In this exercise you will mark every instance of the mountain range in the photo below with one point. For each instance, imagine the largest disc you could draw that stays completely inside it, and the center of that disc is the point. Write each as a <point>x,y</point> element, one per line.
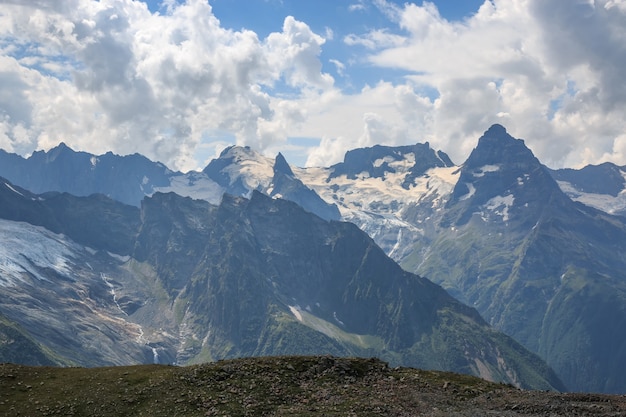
<point>537,252</point>
<point>90,281</point>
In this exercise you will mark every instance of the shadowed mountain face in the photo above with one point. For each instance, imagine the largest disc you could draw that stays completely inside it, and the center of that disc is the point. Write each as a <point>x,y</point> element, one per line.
<point>287,186</point>
<point>248,277</point>
<point>127,179</point>
<point>606,178</point>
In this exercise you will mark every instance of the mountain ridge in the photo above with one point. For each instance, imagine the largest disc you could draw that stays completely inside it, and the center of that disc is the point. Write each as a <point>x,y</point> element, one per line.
<point>497,233</point>
<point>600,186</point>
<point>230,281</point>
<point>513,245</point>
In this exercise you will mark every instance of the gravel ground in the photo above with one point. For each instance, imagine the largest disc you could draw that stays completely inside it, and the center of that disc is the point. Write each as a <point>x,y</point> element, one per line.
<point>279,386</point>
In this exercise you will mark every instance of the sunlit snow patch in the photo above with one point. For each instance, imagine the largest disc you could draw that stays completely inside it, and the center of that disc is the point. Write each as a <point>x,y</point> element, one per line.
<point>500,205</point>
<point>255,170</point>
<point>196,185</point>
<point>605,202</point>
<point>472,191</point>
<point>296,312</point>
<point>484,169</point>
<point>13,189</point>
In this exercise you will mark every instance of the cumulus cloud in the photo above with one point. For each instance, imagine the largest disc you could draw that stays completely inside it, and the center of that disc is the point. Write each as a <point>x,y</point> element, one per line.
<point>550,71</point>
<point>111,75</point>
<point>382,114</point>
<point>141,82</point>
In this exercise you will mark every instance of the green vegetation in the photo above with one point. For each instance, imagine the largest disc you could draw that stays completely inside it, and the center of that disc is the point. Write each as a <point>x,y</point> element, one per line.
<point>17,346</point>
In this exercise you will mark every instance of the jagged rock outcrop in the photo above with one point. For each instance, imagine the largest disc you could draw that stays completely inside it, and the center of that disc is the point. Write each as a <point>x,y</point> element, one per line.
<point>245,278</point>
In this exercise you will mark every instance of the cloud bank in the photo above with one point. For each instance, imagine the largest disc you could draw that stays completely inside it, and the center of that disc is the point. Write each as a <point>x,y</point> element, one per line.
<point>111,75</point>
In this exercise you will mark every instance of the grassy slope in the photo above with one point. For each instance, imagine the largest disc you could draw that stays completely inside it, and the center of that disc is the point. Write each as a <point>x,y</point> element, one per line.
<point>17,346</point>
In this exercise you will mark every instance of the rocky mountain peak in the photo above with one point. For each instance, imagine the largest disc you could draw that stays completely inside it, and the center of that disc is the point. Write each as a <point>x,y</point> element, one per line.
<point>500,176</point>
<point>60,151</point>
<point>377,161</point>
<point>496,146</point>
<point>61,147</point>
<point>281,165</point>
<point>238,154</point>
<point>496,130</point>
<point>285,185</point>
<point>124,178</point>
<point>240,169</point>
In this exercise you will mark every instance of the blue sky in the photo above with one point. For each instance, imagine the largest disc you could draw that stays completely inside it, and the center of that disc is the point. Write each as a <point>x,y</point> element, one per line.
<point>179,80</point>
<point>265,16</point>
<point>341,17</point>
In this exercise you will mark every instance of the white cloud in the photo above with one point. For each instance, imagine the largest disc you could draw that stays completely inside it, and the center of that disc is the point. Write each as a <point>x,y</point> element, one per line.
<point>110,75</point>
<point>149,83</point>
<point>356,7</point>
<point>382,114</point>
<point>552,72</point>
<point>294,52</point>
<point>375,39</point>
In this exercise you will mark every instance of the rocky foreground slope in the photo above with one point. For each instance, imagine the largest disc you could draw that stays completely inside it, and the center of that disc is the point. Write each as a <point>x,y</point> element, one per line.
<point>279,386</point>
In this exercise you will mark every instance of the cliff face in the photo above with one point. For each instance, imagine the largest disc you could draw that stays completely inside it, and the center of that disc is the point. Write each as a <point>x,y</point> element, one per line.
<point>246,278</point>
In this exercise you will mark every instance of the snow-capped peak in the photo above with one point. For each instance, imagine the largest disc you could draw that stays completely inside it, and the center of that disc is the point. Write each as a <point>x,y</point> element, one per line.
<point>244,166</point>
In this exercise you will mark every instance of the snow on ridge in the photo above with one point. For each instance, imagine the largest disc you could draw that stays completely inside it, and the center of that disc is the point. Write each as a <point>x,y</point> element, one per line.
<point>378,205</point>
<point>439,157</point>
<point>440,181</point>
<point>385,196</point>
<point>603,202</point>
<point>198,187</point>
<point>380,161</point>
<point>255,170</point>
<point>480,172</point>
<point>13,189</point>
<point>471,192</point>
<point>569,189</point>
<point>405,164</point>
<point>295,310</point>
